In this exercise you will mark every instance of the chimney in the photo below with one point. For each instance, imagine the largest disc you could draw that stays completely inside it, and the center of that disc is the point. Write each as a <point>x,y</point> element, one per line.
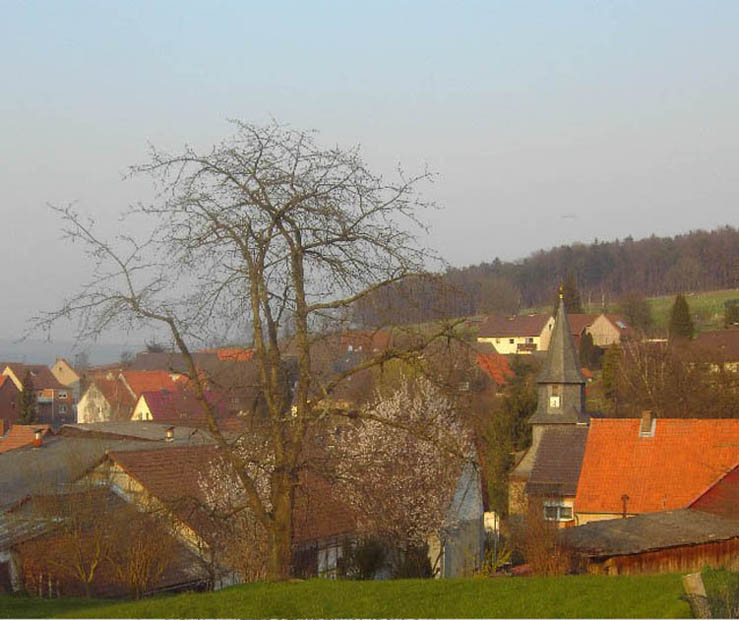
<point>647,424</point>
<point>169,434</point>
<point>37,437</point>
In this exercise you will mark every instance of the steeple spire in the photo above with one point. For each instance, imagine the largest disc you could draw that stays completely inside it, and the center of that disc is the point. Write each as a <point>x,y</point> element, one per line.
<point>561,385</point>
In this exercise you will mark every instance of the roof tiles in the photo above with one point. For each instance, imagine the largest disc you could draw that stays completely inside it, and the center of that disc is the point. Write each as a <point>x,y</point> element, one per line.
<point>662,472</point>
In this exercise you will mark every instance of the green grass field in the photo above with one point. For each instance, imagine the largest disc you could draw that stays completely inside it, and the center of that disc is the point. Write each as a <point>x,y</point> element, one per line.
<point>654,596</point>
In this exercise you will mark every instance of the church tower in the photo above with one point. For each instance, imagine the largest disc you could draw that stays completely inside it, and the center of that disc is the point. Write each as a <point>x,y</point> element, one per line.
<point>561,385</point>
<point>561,403</point>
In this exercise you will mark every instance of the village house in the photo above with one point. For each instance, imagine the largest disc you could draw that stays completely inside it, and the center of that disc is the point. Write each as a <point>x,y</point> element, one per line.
<point>522,334</point>
<point>67,376</point>
<point>57,461</point>
<point>55,402</point>
<point>637,466</point>
<point>106,399</point>
<point>526,334</point>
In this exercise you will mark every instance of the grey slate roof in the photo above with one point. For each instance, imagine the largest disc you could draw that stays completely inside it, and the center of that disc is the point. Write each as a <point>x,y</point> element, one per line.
<point>562,364</point>
<point>62,459</point>
<point>648,532</point>
<point>558,459</point>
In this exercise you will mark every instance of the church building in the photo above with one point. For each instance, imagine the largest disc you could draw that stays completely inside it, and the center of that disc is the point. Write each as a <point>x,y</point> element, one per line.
<point>547,475</point>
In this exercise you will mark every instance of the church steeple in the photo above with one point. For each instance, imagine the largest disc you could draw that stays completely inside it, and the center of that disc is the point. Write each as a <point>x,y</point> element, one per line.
<point>561,385</point>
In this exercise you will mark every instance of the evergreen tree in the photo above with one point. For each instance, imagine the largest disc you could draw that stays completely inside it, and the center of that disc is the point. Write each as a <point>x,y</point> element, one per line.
<point>27,401</point>
<point>681,325</point>
<point>611,370</point>
<point>571,296</point>
<point>588,352</point>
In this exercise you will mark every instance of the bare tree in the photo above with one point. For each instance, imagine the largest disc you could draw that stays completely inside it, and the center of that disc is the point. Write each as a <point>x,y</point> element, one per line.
<point>266,228</point>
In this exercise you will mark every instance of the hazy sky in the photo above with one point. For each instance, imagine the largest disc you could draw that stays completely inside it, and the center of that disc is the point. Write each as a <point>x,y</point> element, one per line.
<point>547,122</point>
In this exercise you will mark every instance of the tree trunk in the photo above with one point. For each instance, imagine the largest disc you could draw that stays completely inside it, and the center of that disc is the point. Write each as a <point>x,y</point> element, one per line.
<point>280,534</point>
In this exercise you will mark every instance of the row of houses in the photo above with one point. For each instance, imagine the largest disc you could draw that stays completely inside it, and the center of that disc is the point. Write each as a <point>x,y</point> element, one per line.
<point>636,495</point>
<point>157,469</point>
<point>527,334</point>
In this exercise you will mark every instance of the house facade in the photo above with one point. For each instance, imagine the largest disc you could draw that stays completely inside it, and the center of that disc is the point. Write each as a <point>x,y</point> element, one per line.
<point>55,403</point>
<point>517,335</point>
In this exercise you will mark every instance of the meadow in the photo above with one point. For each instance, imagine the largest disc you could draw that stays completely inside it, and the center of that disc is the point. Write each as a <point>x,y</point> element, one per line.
<point>653,596</point>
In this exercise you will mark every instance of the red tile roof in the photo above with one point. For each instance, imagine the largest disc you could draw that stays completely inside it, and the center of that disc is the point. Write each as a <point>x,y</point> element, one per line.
<point>118,396</point>
<point>495,365</point>
<point>181,406</point>
<point>232,354</point>
<point>21,435</point>
<point>663,472</point>
<point>578,322</point>
<point>149,380</point>
<point>496,326</point>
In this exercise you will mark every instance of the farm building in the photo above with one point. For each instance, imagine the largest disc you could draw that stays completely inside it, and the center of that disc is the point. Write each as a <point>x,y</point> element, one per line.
<point>673,541</point>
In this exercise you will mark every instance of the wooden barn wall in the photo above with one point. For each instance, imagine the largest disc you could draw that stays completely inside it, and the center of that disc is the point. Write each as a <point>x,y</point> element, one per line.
<point>723,553</point>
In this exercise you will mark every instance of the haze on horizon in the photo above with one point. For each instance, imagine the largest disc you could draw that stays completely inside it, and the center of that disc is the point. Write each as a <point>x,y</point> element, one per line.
<point>547,122</point>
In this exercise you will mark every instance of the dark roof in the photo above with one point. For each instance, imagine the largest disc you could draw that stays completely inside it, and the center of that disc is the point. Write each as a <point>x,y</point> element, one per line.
<point>558,459</point>
<point>63,458</point>
<point>562,364</point>
<point>174,478</point>
<point>496,326</point>
<point>171,362</point>
<point>648,532</point>
<point>718,346</point>
<point>41,376</point>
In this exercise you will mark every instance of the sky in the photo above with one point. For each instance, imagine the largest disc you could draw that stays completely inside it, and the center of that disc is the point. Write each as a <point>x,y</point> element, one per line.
<point>546,122</point>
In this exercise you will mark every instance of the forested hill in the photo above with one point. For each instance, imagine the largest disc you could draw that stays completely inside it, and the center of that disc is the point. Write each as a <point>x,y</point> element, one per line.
<point>605,271</point>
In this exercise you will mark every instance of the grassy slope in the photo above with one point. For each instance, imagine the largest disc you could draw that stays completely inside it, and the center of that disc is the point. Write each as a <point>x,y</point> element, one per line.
<point>565,597</point>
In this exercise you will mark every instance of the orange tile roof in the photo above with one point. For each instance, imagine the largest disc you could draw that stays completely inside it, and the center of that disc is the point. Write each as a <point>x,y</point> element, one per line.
<point>232,354</point>
<point>21,435</point>
<point>149,380</point>
<point>664,472</point>
<point>495,365</point>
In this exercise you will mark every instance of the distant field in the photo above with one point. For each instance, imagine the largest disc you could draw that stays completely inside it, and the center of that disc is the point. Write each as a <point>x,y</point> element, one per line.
<point>655,596</point>
<point>707,308</point>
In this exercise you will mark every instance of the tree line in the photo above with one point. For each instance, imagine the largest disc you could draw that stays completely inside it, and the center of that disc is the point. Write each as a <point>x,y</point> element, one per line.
<point>605,272</point>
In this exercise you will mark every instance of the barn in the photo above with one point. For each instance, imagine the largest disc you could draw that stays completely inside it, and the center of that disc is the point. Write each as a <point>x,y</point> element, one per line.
<point>670,541</point>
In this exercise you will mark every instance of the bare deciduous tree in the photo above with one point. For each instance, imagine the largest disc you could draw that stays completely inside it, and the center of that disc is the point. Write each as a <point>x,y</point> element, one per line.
<point>266,228</point>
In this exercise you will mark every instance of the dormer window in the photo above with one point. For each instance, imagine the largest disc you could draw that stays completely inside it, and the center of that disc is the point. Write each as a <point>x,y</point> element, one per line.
<point>555,397</point>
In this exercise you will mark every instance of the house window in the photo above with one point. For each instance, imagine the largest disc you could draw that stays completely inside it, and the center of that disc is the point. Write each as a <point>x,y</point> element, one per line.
<point>554,396</point>
<point>530,340</point>
<point>557,512</point>
<point>62,409</point>
<point>510,340</point>
<point>62,395</point>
